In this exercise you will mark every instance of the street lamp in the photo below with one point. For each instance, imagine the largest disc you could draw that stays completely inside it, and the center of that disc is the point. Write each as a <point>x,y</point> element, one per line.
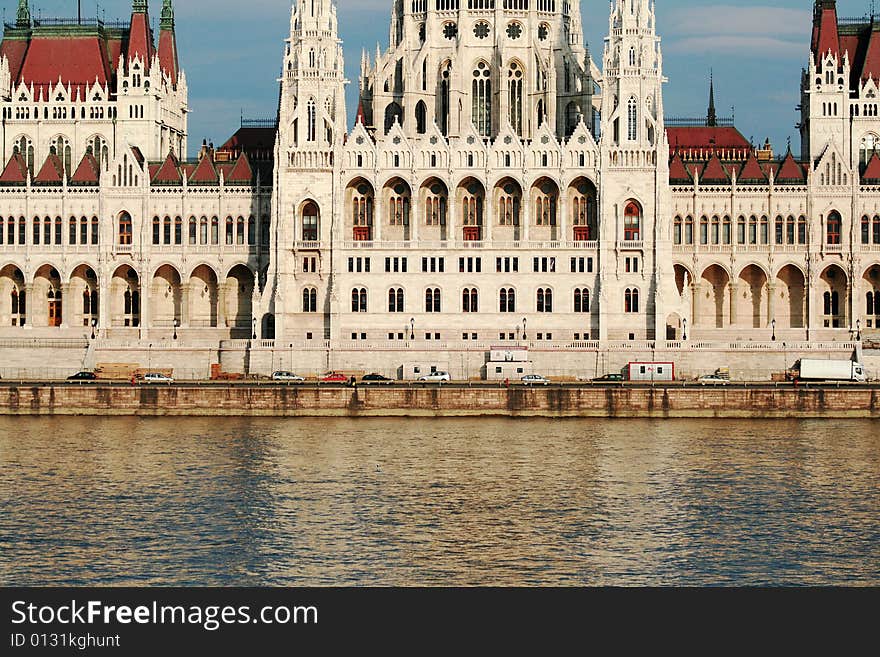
<point>858,330</point>
<point>773,324</point>
<point>684,330</point>
<point>524,329</point>
<point>412,329</point>
<point>94,324</point>
<point>176,324</point>
<point>254,331</point>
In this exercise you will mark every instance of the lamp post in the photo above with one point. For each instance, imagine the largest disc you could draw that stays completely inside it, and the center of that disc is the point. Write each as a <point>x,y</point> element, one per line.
<point>176,324</point>
<point>773,324</point>
<point>94,324</point>
<point>684,330</point>
<point>524,329</point>
<point>150,357</point>
<point>254,328</point>
<point>412,328</point>
<point>858,330</point>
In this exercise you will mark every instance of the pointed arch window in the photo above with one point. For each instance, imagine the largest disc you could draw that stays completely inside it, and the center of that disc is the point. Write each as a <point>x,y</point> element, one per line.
<point>312,120</point>
<point>481,99</point>
<point>833,228</point>
<point>359,300</point>
<point>507,300</point>
<point>632,113</point>
<point>443,98</point>
<point>310,300</point>
<point>515,96</point>
<point>421,117</point>
<point>396,300</point>
<point>125,229</point>
<point>582,300</point>
<point>632,222</point>
<point>470,300</point>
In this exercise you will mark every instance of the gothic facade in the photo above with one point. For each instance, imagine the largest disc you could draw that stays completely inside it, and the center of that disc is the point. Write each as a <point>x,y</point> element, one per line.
<point>497,185</point>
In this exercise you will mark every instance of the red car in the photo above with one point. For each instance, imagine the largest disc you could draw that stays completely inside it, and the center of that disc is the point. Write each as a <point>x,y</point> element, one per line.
<point>334,377</point>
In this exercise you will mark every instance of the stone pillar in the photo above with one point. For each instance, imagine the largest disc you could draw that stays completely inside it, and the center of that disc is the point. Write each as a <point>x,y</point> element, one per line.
<point>696,295</point>
<point>221,305</point>
<point>564,232</point>
<point>847,321</point>
<point>146,304</point>
<point>67,305</point>
<point>771,302</point>
<point>525,218</point>
<point>415,215</point>
<point>29,306</point>
<point>378,215</point>
<point>103,303</point>
<point>185,311</point>
<point>451,216</point>
<point>488,217</point>
<point>734,297</point>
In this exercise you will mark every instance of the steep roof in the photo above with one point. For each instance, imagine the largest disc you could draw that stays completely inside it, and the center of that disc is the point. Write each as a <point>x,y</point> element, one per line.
<point>241,172</point>
<point>258,143</point>
<point>140,39</point>
<point>14,49</point>
<point>73,59</point>
<point>790,171</point>
<point>825,29</point>
<point>713,172</point>
<point>169,172</point>
<point>204,173</point>
<point>52,171</point>
<point>872,171</point>
<point>751,171</point>
<point>87,172</point>
<point>677,170</point>
<point>706,139</point>
<point>16,170</point>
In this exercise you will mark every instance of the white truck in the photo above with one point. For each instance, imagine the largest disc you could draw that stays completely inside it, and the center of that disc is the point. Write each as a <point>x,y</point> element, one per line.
<point>828,370</point>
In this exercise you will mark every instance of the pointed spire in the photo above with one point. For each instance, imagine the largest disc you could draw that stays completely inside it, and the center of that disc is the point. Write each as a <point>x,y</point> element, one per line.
<point>23,19</point>
<point>139,7</point>
<point>712,116</point>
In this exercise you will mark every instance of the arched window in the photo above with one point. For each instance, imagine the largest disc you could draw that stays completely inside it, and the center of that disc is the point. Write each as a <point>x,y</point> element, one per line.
<point>312,120</point>
<point>58,231</point>
<point>481,99</point>
<point>203,230</point>
<point>393,114</point>
<point>572,118</point>
<point>166,224</point>
<point>726,231</point>
<point>470,300</point>
<point>435,206</point>
<point>753,230</point>
<point>310,300</point>
<point>359,300</point>
<point>544,300</point>
<point>125,229</point>
<point>507,300</point>
<point>632,118</point>
<point>157,230</point>
<point>677,225</point>
<point>871,304</point>
<point>362,213</point>
<point>866,230</point>
<point>310,216</point>
<point>741,230</point>
<point>443,97</point>
<point>582,300</point>
<point>71,231</point>
<point>398,206</point>
<point>876,229</point>
<point>632,56</point>
<point>83,231</point>
<point>545,207</point>
<point>47,231</point>
<point>802,230</point>
<point>833,228</point>
<point>432,300</point>
<point>632,222</point>
<point>508,206</point>
<point>230,231</point>
<point>421,117</point>
<point>251,231</point>
<point>689,230</point>
<point>215,230</point>
<point>94,231</point>
<point>193,230</point>
<point>631,300</point>
<point>704,230</point>
<point>178,230</point>
<point>395,300</point>
<point>239,231</point>
<point>515,96</point>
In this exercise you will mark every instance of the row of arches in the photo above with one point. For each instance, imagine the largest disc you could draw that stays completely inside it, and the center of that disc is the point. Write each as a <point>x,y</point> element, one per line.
<point>754,298</point>
<point>512,209</point>
<point>238,231</point>
<point>46,231</point>
<point>201,299</point>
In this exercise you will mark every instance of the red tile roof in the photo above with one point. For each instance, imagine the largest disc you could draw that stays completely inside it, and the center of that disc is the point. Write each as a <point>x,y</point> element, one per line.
<point>87,172</point>
<point>790,171</point>
<point>169,172</point>
<point>14,50</point>
<point>140,39</point>
<point>16,170</point>
<point>713,172</point>
<point>826,36</point>
<point>73,59</point>
<point>701,141</point>
<point>168,54</point>
<point>241,172</point>
<point>872,171</point>
<point>204,173</point>
<point>677,171</point>
<point>751,171</point>
<point>52,171</point>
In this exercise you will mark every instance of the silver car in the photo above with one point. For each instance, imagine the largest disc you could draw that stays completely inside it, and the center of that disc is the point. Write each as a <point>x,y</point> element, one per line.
<point>436,377</point>
<point>156,377</point>
<point>535,380</point>
<point>290,377</point>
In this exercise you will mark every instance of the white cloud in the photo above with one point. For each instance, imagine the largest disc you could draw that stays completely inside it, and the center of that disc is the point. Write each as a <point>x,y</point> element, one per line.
<point>739,30</point>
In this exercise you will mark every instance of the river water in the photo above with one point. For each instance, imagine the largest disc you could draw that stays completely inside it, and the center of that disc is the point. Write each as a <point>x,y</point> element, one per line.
<point>256,502</point>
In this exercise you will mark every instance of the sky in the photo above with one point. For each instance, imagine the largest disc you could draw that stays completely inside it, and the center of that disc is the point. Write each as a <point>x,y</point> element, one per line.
<point>231,52</point>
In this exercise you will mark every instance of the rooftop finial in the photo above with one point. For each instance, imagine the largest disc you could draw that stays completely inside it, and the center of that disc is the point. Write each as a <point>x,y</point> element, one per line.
<point>23,19</point>
<point>712,116</point>
<point>139,6</point>
<point>166,22</point>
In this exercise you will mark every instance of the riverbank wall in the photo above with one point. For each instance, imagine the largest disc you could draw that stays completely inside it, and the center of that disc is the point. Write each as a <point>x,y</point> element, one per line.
<point>436,401</point>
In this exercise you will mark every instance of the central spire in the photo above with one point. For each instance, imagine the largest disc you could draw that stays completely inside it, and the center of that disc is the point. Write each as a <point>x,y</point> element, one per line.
<point>712,116</point>
<point>23,19</point>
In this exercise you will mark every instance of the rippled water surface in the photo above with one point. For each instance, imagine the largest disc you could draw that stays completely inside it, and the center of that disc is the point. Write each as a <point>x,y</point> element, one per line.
<point>438,502</point>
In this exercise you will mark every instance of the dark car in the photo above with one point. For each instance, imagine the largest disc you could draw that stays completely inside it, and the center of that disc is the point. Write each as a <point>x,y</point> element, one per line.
<point>83,376</point>
<point>368,379</point>
<point>610,377</point>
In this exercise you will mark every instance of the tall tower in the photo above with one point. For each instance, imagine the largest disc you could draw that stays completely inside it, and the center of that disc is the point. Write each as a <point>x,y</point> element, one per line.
<point>311,128</point>
<point>634,244</point>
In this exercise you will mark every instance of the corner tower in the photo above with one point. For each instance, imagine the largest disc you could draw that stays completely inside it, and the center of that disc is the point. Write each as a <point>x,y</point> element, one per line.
<point>633,229</point>
<point>311,130</point>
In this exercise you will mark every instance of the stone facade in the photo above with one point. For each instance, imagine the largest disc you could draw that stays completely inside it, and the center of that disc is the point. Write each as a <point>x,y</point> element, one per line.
<point>497,188</point>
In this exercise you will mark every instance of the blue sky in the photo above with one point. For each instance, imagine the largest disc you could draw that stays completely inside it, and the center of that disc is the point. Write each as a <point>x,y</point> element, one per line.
<point>231,51</point>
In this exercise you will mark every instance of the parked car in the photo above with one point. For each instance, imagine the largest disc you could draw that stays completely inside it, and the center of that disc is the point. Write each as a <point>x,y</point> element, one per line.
<point>334,377</point>
<point>156,377</point>
<point>290,377</point>
<point>610,377</point>
<point>713,379</point>
<point>83,376</point>
<point>369,379</point>
<point>535,380</point>
<point>436,377</point>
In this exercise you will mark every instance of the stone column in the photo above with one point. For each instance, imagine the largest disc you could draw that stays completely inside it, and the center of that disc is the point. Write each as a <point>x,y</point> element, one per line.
<point>185,311</point>
<point>734,297</point>
<point>103,303</point>
<point>67,305</point>
<point>771,302</point>
<point>564,233</point>
<point>696,294</point>
<point>221,305</point>
<point>29,306</point>
<point>146,304</point>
